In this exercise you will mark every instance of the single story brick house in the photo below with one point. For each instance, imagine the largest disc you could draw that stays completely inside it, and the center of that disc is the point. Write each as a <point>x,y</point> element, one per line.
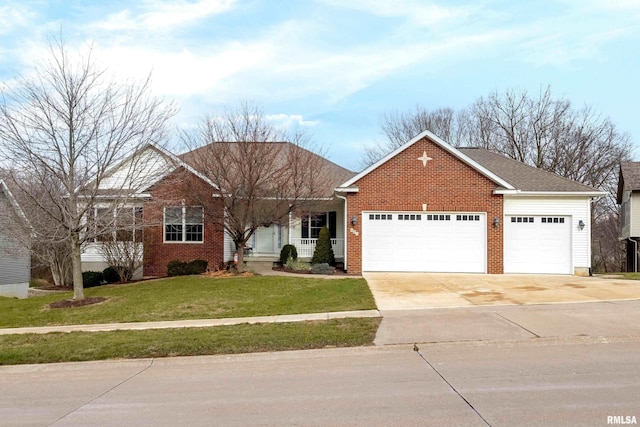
<point>15,258</point>
<point>428,206</point>
<point>425,207</point>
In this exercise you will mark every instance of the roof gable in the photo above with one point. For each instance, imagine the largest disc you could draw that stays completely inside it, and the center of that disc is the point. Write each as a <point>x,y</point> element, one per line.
<point>143,169</point>
<point>349,185</point>
<point>628,178</point>
<point>4,189</point>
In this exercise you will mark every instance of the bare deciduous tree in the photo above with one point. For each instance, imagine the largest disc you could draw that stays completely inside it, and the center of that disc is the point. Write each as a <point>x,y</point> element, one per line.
<point>64,128</point>
<point>259,178</point>
<point>398,128</point>
<point>549,134</point>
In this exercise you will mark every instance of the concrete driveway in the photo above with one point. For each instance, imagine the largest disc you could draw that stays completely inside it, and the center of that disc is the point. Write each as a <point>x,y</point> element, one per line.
<point>399,291</point>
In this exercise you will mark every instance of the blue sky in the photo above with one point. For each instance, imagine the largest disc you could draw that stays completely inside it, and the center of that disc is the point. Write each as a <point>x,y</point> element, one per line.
<point>336,66</point>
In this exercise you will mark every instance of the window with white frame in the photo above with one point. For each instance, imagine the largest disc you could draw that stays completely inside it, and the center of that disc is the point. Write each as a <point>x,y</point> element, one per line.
<point>313,222</point>
<point>120,224</point>
<point>183,224</point>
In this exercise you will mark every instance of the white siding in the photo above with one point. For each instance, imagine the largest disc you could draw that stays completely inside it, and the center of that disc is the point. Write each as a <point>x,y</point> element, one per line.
<point>634,215</point>
<point>15,262</point>
<point>229,247</point>
<point>15,259</point>
<point>577,208</point>
<point>139,172</point>
<point>625,215</point>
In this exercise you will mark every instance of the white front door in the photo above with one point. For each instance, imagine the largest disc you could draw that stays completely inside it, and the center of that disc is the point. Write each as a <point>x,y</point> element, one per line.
<point>266,240</point>
<point>425,241</point>
<point>537,244</point>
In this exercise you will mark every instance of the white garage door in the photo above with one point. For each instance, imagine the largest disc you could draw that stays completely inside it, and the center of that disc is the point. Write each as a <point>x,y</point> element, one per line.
<point>537,244</point>
<point>430,242</point>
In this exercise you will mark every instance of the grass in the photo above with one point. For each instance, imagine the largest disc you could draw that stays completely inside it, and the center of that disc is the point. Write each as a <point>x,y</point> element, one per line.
<point>193,297</point>
<point>631,276</point>
<point>83,346</point>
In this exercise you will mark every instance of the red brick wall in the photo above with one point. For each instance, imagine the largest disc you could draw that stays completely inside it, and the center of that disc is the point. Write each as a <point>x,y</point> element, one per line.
<point>172,191</point>
<point>445,184</point>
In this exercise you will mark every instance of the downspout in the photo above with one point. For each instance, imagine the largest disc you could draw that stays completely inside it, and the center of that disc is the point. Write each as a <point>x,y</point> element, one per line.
<point>345,229</point>
<point>289,230</point>
<point>635,255</point>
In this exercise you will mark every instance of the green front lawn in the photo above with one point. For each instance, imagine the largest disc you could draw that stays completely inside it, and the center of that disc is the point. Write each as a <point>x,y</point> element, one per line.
<point>194,297</point>
<point>81,346</point>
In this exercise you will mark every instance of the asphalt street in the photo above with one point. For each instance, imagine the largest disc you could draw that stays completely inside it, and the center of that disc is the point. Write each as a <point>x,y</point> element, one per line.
<point>561,381</point>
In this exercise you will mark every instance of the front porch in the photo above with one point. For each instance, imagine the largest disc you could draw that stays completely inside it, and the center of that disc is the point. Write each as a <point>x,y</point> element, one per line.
<point>305,248</point>
<point>301,231</point>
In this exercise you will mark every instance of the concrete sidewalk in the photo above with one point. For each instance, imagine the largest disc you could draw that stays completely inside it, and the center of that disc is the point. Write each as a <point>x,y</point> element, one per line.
<point>198,323</point>
<point>510,323</point>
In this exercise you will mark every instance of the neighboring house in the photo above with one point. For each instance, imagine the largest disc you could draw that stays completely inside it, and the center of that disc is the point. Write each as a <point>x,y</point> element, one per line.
<point>426,207</point>
<point>175,224</point>
<point>629,201</point>
<point>15,258</point>
<point>430,207</point>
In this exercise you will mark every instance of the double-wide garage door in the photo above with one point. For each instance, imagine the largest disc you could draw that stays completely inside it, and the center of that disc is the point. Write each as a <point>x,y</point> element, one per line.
<point>429,242</point>
<point>537,244</point>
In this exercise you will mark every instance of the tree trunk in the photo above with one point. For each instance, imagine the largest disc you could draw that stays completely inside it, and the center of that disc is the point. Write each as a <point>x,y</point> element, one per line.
<point>78,286</point>
<point>240,252</point>
<point>59,274</point>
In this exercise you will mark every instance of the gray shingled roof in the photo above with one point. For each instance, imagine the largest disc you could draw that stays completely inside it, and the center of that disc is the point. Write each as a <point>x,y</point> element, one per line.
<point>630,172</point>
<point>335,174</point>
<point>629,178</point>
<point>523,177</point>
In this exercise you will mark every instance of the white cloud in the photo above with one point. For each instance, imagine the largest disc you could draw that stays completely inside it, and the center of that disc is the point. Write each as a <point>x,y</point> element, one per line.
<point>14,15</point>
<point>417,11</point>
<point>286,121</point>
<point>158,15</point>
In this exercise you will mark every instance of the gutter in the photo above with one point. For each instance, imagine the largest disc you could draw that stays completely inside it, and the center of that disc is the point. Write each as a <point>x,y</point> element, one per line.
<point>549,193</point>
<point>345,229</point>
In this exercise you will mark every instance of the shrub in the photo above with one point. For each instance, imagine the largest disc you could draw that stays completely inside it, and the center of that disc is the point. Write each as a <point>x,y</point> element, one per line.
<point>288,251</point>
<point>91,278</point>
<point>322,268</point>
<point>323,252</point>
<point>197,266</point>
<point>296,265</point>
<point>110,275</point>
<point>177,268</point>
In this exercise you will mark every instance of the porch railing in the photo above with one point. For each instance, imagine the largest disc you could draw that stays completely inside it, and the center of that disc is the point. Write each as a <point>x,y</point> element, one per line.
<point>305,247</point>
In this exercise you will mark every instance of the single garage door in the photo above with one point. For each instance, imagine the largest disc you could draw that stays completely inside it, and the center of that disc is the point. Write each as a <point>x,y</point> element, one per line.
<point>425,242</point>
<point>537,244</point>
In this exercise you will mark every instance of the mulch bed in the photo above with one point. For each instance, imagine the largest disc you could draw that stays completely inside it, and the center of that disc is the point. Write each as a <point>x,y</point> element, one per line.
<point>221,274</point>
<point>338,272</point>
<point>55,288</point>
<point>70,303</point>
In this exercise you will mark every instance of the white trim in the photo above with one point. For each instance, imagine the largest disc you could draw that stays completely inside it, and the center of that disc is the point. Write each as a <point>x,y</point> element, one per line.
<point>347,190</point>
<point>5,188</point>
<point>549,193</point>
<point>345,225</point>
<point>493,177</point>
<point>183,208</point>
